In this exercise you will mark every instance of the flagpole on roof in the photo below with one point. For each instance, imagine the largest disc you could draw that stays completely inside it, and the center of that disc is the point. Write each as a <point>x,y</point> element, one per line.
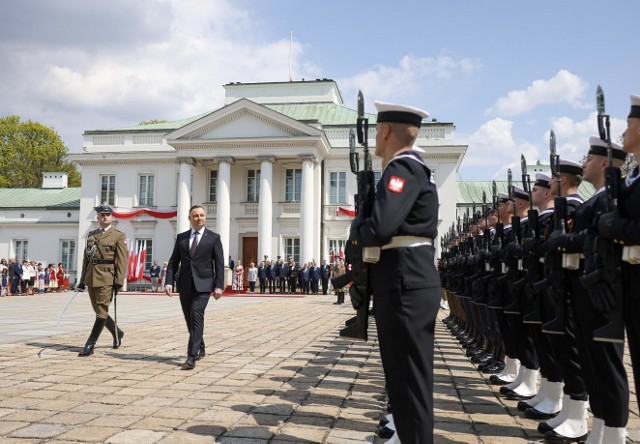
<point>290,49</point>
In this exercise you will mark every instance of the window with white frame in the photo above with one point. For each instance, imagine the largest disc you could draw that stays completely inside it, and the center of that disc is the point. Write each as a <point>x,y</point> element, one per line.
<point>21,247</point>
<point>213,186</point>
<point>253,185</point>
<point>337,187</point>
<point>108,189</point>
<point>68,254</point>
<point>146,189</point>
<point>293,185</point>
<point>292,249</point>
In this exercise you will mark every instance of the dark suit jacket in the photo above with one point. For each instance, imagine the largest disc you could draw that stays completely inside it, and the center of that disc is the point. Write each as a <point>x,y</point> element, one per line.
<point>206,268</point>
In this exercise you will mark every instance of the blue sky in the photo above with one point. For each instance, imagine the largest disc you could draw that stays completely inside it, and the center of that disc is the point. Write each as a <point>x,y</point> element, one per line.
<point>505,72</point>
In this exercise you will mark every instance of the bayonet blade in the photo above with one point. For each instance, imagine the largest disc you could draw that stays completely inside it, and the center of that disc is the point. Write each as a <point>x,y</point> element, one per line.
<point>360,105</point>
<point>600,100</point>
<point>523,165</point>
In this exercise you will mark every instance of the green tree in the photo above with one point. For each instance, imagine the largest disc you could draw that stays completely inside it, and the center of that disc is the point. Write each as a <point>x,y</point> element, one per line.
<point>28,149</point>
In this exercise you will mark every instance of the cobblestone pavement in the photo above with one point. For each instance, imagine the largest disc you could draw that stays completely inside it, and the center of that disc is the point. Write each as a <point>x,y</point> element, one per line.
<point>276,371</point>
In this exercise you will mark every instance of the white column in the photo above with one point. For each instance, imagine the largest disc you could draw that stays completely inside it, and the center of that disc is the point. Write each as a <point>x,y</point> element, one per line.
<point>306,209</point>
<point>184,194</point>
<point>224,203</point>
<point>265,207</point>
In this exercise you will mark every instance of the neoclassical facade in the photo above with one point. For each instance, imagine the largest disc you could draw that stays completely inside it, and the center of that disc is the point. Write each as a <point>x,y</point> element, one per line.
<point>271,167</point>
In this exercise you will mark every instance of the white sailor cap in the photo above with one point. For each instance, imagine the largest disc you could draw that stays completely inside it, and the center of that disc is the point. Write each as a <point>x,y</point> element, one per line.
<point>570,167</point>
<point>391,112</point>
<point>635,106</point>
<point>503,198</point>
<point>598,147</point>
<point>520,193</point>
<point>542,180</point>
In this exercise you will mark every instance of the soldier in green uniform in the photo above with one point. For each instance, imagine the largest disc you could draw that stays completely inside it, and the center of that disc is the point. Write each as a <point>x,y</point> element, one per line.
<point>104,266</point>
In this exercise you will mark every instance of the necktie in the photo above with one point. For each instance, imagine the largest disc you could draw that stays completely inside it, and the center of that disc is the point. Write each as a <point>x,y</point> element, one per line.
<point>194,244</point>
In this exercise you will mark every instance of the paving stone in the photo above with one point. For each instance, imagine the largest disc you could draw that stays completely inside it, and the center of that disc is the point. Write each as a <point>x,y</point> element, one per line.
<point>136,436</point>
<point>42,431</point>
<point>272,375</point>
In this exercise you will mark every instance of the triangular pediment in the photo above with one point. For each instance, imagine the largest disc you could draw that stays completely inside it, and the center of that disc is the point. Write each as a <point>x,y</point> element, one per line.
<point>240,120</point>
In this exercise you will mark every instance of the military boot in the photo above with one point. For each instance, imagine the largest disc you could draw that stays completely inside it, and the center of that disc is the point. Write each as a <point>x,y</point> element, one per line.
<point>93,337</point>
<point>111,326</point>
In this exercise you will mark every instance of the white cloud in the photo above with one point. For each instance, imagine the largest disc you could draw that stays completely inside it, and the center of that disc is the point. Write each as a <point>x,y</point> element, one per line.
<point>408,77</point>
<point>493,149</point>
<point>175,71</point>
<point>564,87</point>
<point>572,137</point>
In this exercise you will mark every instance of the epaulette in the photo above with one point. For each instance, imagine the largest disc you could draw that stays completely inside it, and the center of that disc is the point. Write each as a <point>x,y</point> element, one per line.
<point>91,233</point>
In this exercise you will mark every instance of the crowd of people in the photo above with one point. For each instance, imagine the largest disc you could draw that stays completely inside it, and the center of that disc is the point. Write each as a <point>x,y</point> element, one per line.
<point>278,276</point>
<point>31,277</point>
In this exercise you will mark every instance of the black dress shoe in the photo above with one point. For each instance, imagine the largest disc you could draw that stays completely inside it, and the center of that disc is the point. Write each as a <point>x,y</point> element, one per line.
<point>189,364</point>
<point>495,380</point>
<point>383,422</point>
<point>524,406</point>
<point>506,391</point>
<point>385,432</point>
<point>532,413</point>
<point>513,396</point>
<point>201,354</point>
<point>543,428</point>
<point>556,438</point>
<point>481,359</point>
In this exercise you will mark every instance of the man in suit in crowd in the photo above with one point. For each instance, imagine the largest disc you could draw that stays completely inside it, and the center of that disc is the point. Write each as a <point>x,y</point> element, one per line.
<point>197,267</point>
<point>325,274</point>
<point>272,274</point>
<point>314,272</point>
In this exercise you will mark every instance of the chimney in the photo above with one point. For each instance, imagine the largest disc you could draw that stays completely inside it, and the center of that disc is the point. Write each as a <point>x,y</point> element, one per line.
<point>55,180</point>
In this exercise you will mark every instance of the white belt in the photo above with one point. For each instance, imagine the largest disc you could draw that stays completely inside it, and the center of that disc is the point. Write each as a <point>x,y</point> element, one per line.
<point>407,242</point>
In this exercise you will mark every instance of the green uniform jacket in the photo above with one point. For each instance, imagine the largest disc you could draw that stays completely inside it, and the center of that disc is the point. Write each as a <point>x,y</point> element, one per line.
<point>109,253</point>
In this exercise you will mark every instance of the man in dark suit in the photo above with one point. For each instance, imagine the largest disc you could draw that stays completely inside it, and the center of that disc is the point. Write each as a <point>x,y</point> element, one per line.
<point>197,267</point>
<point>325,274</point>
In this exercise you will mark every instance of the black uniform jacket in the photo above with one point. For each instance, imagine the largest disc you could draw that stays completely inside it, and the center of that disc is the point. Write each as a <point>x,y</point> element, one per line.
<point>626,231</point>
<point>406,204</point>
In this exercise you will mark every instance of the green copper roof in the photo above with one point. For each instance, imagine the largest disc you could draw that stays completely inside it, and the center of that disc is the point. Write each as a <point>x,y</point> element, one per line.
<point>40,198</point>
<point>471,192</point>
<point>327,114</point>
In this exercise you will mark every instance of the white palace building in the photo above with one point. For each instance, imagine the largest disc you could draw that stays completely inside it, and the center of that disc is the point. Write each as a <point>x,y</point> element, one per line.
<point>271,167</point>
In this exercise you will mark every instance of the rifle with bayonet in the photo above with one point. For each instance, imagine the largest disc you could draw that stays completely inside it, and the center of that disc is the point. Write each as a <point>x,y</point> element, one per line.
<point>556,290</point>
<point>499,277</point>
<point>531,262</point>
<point>605,283</point>
<point>513,254</point>
<point>357,256</point>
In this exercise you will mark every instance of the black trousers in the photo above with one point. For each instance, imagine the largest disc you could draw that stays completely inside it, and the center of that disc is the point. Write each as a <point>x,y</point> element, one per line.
<point>194,305</point>
<point>325,285</point>
<point>406,323</point>
<point>602,365</point>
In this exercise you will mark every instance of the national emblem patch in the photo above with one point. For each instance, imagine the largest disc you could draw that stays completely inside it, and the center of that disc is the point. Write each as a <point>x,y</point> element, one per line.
<point>396,184</point>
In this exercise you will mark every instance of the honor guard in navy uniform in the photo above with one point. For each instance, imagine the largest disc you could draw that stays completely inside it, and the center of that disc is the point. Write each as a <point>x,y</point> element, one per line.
<point>601,362</point>
<point>570,425</point>
<point>406,285</point>
<point>104,267</point>
<point>548,400</point>
<point>623,228</point>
